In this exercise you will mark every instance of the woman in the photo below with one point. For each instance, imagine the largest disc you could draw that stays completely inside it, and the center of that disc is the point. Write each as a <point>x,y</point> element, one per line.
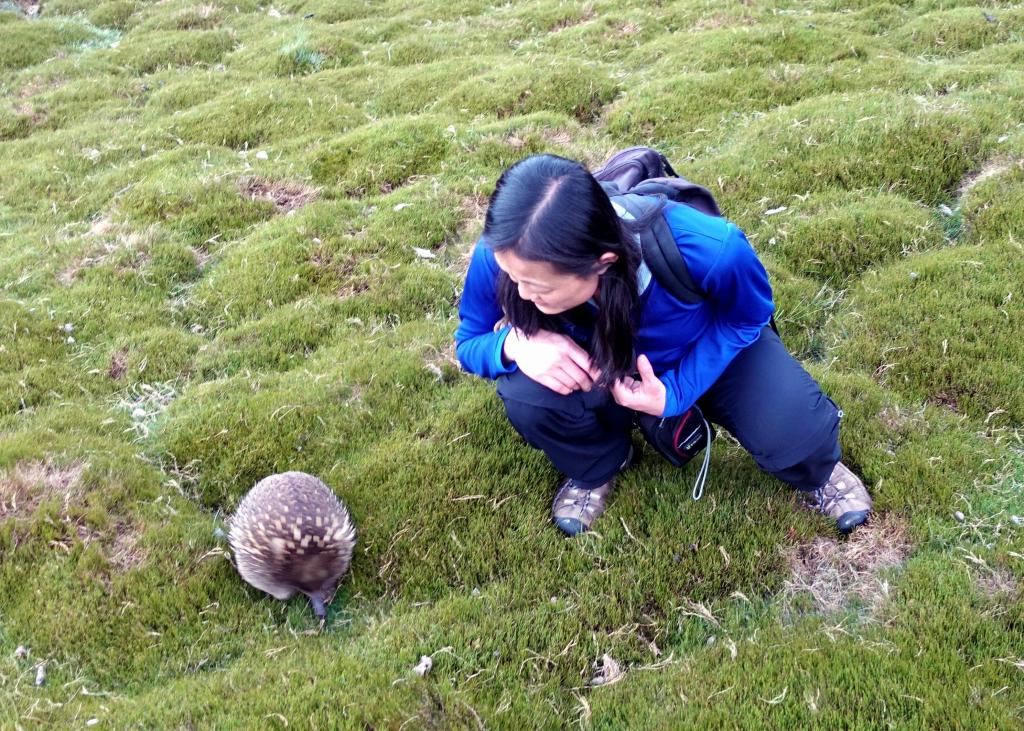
<point>591,339</point>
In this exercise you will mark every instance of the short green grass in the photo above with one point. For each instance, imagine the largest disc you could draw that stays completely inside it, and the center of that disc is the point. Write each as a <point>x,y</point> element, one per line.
<point>167,339</point>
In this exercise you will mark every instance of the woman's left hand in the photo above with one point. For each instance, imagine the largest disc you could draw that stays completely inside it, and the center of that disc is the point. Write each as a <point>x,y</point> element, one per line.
<point>646,395</point>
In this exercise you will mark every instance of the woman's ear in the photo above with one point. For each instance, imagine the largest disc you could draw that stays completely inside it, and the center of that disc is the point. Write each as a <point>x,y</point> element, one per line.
<point>606,260</point>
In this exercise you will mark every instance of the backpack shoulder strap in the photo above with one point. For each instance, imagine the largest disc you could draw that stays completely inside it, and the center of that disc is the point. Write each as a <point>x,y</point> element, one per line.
<point>659,249</point>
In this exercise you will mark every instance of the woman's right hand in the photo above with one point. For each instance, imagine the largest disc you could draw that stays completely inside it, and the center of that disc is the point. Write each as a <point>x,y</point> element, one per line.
<point>552,360</point>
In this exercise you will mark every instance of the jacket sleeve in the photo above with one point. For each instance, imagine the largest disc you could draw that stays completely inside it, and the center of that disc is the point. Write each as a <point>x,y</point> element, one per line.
<point>477,345</point>
<point>741,304</point>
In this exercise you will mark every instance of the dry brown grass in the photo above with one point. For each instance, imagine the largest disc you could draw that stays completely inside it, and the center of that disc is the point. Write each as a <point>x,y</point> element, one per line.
<point>473,209</point>
<point>625,30</point>
<point>896,418</point>
<point>587,15</point>
<point>126,553</point>
<point>839,573</point>
<point>112,242</point>
<point>997,582</point>
<point>721,20</point>
<point>27,484</point>
<point>995,166</point>
<point>285,196</point>
<point>37,85</point>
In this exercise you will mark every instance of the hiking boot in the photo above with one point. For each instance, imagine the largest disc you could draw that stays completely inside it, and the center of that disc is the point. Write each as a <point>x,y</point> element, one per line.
<point>575,508</point>
<point>843,498</point>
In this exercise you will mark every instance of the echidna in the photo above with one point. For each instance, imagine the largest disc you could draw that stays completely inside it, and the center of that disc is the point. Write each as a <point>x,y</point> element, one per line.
<point>291,533</point>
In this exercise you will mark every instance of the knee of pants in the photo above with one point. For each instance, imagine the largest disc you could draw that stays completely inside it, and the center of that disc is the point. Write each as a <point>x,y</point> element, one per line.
<point>812,470</point>
<point>523,417</point>
<point>528,404</point>
<point>812,437</point>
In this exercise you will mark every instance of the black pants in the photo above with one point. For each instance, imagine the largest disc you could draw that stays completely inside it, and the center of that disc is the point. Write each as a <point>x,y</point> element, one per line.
<point>764,398</point>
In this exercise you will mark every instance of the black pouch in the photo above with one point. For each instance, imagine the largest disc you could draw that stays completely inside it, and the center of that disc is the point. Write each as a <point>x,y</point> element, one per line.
<point>679,439</point>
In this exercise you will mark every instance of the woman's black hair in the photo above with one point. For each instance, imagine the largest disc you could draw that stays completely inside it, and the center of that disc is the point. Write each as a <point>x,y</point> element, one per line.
<point>547,208</point>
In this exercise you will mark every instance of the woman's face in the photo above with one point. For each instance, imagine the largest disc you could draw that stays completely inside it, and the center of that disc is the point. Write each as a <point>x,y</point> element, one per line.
<point>551,291</point>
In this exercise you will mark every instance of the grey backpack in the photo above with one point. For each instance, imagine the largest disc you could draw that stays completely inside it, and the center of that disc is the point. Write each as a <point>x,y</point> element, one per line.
<point>640,180</point>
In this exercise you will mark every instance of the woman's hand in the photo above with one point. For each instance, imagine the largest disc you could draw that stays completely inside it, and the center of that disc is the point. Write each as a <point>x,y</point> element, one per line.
<point>646,395</point>
<point>552,360</point>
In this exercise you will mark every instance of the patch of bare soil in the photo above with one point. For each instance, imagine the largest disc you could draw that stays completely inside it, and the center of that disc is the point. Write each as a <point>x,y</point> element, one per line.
<point>286,197</point>
<point>118,364</point>
<point>588,14</point>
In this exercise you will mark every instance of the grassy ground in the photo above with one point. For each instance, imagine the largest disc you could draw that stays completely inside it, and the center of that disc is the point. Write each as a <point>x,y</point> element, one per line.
<point>207,221</point>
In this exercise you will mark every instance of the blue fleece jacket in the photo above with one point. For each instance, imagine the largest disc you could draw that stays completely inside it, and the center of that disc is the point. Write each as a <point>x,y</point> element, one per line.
<point>689,345</point>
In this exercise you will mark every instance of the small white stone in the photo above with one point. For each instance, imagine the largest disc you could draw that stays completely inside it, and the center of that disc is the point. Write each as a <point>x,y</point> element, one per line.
<point>92,722</point>
<point>610,672</point>
<point>70,340</point>
<point>68,327</point>
<point>139,413</point>
<point>40,675</point>
<point>913,275</point>
<point>1016,520</point>
<point>945,210</point>
<point>262,155</point>
<point>424,665</point>
<point>958,517</point>
<point>21,653</point>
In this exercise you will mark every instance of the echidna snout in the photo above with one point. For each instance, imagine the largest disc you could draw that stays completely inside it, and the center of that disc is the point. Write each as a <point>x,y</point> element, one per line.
<point>292,534</point>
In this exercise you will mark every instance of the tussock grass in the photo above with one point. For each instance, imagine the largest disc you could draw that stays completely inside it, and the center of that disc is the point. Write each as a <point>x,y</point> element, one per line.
<point>232,237</point>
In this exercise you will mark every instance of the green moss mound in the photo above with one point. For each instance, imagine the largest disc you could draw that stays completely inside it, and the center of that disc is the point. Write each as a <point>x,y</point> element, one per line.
<point>838,237</point>
<point>575,89</point>
<point>943,328</point>
<point>149,52</point>
<point>382,156</point>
